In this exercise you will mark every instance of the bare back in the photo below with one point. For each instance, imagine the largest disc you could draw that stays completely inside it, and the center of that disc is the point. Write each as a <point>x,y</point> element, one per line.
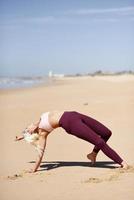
<point>54,118</point>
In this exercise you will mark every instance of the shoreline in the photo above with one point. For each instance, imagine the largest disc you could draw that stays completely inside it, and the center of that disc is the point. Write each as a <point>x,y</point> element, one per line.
<point>54,81</point>
<point>50,83</point>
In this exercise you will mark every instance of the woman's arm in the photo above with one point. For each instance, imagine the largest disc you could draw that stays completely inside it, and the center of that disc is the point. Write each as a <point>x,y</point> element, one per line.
<point>40,148</point>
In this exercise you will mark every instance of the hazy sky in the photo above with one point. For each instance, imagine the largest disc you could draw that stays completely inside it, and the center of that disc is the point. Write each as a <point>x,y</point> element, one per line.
<point>66,36</point>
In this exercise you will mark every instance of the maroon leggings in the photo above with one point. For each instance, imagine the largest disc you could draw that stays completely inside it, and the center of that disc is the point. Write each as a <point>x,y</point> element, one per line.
<point>91,130</point>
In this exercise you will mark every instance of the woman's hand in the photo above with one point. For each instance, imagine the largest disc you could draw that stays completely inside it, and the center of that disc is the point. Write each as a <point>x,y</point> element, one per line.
<point>19,138</point>
<point>30,171</point>
<point>16,138</point>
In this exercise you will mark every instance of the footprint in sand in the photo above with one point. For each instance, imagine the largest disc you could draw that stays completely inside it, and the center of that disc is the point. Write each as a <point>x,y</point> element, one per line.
<point>21,175</point>
<point>93,180</point>
<point>129,170</point>
<point>112,177</point>
<point>14,177</point>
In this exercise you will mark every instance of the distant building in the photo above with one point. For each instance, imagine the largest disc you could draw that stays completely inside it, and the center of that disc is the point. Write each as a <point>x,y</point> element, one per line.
<point>50,74</point>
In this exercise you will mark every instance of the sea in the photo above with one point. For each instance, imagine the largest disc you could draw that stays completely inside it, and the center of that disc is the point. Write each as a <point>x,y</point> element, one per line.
<point>23,82</point>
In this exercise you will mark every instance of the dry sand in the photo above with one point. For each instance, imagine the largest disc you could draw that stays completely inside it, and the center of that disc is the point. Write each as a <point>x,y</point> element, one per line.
<point>65,172</point>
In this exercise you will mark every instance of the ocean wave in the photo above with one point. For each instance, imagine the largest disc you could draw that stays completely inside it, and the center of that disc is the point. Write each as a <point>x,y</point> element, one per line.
<point>20,82</point>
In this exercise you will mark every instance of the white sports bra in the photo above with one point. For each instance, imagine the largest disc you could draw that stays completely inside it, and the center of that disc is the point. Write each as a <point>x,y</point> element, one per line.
<point>44,122</point>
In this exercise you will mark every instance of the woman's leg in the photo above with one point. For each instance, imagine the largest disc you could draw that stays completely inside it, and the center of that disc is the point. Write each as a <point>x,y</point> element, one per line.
<point>81,130</point>
<point>98,128</point>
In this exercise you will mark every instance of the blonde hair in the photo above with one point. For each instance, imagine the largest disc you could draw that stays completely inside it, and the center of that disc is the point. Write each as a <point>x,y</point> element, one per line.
<point>33,140</point>
<point>30,138</point>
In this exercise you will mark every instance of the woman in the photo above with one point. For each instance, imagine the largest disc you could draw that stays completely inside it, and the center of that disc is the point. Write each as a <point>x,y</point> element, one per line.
<point>76,124</point>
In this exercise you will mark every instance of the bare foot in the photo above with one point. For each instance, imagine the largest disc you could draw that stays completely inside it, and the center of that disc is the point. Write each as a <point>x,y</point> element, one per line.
<point>124,165</point>
<point>92,156</point>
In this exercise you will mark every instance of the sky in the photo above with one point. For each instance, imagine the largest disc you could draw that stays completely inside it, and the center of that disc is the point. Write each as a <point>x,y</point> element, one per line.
<point>65,36</point>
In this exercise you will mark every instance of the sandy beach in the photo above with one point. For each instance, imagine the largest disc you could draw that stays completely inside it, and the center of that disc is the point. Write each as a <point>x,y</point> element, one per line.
<point>65,172</point>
